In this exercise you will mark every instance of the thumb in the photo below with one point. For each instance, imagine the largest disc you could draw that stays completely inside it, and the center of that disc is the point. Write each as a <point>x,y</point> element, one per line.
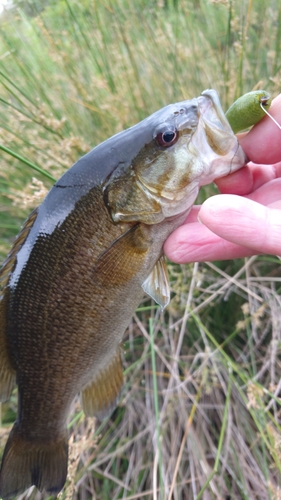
<point>244,222</point>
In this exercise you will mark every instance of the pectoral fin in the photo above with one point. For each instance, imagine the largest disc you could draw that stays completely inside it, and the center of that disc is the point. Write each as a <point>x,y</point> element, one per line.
<point>102,395</point>
<point>123,259</point>
<point>157,283</point>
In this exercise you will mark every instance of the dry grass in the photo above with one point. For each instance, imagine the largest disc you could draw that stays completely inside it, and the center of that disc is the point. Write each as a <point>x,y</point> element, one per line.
<point>218,394</point>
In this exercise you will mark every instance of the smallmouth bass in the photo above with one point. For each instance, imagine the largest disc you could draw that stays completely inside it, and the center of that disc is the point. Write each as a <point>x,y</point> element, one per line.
<point>78,270</point>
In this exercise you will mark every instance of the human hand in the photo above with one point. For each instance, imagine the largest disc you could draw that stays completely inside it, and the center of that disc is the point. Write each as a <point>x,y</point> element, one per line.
<point>234,226</point>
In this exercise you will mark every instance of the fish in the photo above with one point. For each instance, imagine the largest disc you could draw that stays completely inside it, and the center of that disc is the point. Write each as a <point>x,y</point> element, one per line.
<point>79,268</point>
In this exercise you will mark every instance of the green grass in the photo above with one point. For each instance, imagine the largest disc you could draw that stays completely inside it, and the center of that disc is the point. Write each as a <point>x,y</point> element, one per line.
<point>201,404</point>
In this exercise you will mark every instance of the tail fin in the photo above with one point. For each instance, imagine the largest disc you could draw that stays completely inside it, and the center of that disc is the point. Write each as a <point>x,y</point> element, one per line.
<point>26,463</point>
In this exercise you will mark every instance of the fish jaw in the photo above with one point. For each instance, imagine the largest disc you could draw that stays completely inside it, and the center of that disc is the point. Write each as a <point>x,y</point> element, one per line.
<point>218,146</point>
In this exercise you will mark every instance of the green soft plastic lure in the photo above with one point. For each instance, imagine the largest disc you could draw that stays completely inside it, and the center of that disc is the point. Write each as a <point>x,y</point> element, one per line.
<point>248,110</point>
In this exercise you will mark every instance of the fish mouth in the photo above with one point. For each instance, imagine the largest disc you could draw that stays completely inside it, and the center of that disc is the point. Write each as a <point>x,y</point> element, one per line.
<point>209,101</point>
<point>215,138</point>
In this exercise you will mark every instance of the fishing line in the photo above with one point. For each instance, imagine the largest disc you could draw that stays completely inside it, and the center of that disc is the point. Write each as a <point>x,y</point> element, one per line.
<point>279,126</point>
<point>270,116</point>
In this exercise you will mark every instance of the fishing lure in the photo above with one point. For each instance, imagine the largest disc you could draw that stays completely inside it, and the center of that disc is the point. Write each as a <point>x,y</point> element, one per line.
<point>248,110</point>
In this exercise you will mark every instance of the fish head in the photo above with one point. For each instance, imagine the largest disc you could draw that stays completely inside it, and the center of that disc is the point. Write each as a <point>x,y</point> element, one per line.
<point>189,144</point>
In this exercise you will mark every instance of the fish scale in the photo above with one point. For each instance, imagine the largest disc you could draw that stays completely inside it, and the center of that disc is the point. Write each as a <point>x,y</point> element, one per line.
<point>79,268</point>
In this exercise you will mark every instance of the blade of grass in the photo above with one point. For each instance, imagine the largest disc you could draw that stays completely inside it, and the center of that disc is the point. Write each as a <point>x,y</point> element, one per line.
<point>186,431</point>
<point>156,408</point>
<point>221,438</point>
<point>27,162</point>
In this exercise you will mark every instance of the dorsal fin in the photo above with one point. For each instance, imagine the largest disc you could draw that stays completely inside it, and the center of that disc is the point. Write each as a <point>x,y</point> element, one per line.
<point>9,263</point>
<point>7,371</point>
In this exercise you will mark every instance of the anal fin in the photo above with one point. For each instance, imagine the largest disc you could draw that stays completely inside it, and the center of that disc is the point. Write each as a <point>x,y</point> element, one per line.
<point>101,396</point>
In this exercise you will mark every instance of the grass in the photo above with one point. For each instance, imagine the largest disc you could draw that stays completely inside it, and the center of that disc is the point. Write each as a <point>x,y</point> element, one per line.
<point>200,412</point>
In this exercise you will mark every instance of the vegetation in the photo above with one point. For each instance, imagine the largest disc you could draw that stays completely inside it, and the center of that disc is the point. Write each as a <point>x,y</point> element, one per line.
<point>200,414</point>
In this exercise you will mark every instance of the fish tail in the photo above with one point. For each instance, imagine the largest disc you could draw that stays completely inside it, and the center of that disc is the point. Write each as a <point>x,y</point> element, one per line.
<point>28,462</point>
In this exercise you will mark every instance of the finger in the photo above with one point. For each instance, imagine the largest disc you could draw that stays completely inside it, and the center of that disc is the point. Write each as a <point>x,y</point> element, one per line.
<point>267,194</point>
<point>196,243</point>
<point>240,182</point>
<point>244,222</point>
<point>261,143</point>
<point>193,215</point>
<point>248,178</point>
<point>264,173</point>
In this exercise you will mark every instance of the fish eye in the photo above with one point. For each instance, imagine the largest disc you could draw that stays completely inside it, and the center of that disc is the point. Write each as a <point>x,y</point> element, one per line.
<point>167,138</point>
